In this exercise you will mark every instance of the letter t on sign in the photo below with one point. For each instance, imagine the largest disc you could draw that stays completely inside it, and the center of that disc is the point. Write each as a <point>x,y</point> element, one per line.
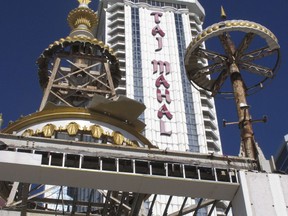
<point>156,16</point>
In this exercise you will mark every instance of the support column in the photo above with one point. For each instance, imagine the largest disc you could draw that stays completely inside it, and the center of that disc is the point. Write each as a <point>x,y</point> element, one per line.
<point>245,126</point>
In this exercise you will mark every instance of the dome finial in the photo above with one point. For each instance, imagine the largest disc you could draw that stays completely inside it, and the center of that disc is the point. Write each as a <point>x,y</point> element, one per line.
<point>82,20</point>
<point>84,3</point>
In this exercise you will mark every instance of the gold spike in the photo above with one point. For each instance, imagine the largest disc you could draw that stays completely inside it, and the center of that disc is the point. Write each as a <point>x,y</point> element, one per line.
<point>223,14</point>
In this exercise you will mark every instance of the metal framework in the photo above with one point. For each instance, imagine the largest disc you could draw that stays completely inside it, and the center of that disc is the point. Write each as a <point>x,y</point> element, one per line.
<point>220,66</point>
<point>107,169</point>
<point>76,71</point>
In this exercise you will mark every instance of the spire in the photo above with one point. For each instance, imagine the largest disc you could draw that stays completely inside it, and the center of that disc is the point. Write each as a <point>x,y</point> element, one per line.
<point>84,3</point>
<point>223,14</point>
<point>82,20</point>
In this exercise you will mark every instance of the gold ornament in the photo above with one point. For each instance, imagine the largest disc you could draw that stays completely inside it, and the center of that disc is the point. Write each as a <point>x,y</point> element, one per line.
<point>48,130</point>
<point>72,129</point>
<point>96,131</point>
<point>84,1</point>
<point>28,132</point>
<point>118,138</point>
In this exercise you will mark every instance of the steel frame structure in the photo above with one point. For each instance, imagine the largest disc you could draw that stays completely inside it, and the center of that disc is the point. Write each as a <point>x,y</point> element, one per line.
<point>108,169</point>
<point>229,64</point>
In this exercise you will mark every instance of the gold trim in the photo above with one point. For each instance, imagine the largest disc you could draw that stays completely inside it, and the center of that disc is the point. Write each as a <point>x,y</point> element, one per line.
<point>74,129</point>
<point>75,113</point>
<point>233,25</point>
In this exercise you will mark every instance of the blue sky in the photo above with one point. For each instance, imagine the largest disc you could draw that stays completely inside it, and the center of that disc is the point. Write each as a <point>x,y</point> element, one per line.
<point>28,27</point>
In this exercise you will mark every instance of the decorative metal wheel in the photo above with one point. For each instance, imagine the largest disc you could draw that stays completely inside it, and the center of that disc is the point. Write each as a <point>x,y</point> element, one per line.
<point>256,54</point>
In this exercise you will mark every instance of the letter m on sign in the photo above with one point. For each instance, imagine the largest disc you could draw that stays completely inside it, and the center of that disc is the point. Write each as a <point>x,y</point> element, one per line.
<point>160,65</point>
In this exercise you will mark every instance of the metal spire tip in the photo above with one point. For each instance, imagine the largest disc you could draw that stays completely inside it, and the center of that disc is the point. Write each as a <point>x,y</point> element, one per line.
<point>84,3</point>
<point>223,14</point>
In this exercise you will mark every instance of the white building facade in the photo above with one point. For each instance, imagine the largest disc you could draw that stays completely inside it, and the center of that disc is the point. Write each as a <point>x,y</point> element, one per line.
<point>150,39</point>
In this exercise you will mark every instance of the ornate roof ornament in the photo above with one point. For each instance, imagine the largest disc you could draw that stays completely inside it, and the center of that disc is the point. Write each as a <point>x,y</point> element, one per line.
<point>84,2</point>
<point>82,20</point>
<point>91,68</point>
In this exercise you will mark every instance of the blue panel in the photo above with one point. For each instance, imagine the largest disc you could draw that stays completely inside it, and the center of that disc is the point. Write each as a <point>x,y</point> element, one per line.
<point>137,60</point>
<point>187,92</point>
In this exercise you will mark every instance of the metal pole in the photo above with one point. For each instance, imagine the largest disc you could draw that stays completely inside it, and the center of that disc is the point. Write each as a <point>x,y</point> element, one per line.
<point>245,126</point>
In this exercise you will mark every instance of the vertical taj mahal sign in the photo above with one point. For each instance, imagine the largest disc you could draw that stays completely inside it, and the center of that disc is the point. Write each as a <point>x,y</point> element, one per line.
<point>161,68</point>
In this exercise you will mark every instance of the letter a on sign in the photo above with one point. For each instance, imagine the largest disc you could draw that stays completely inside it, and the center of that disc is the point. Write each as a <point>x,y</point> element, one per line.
<point>162,81</point>
<point>164,111</point>
<point>158,30</point>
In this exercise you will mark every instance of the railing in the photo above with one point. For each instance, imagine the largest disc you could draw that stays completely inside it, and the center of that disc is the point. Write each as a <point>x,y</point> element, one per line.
<point>50,148</point>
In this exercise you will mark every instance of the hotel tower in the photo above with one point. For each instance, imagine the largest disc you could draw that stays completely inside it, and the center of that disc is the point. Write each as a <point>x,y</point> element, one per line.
<point>150,39</point>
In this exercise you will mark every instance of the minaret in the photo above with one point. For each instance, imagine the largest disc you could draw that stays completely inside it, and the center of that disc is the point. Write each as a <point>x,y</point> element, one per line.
<point>74,69</point>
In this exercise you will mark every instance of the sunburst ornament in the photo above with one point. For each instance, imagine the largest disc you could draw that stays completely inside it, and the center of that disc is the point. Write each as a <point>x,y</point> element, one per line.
<point>86,2</point>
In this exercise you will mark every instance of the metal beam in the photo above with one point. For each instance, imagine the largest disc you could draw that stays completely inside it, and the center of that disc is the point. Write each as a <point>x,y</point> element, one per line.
<point>190,158</point>
<point>212,208</point>
<point>228,208</point>
<point>24,196</point>
<point>107,197</point>
<point>137,202</point>
<point>125,195</point>
<point>115,200</point>
<point>37,212</point>
<point>152,205</point>
<point>12,194</point>
<point>31,197</point>
<point>198,206</point>
<point>167,206</point>
<point>182,207</point>
<point>89,207</point>
<point>118,181</point>
<point>74,203</point>
<point>50,83</point>
<point>66,202</point>
<point>194,207</point>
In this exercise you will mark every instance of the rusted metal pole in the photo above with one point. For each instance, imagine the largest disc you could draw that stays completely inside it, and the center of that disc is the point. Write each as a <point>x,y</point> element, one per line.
<point>245,125</point>
<point>248,145</point>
